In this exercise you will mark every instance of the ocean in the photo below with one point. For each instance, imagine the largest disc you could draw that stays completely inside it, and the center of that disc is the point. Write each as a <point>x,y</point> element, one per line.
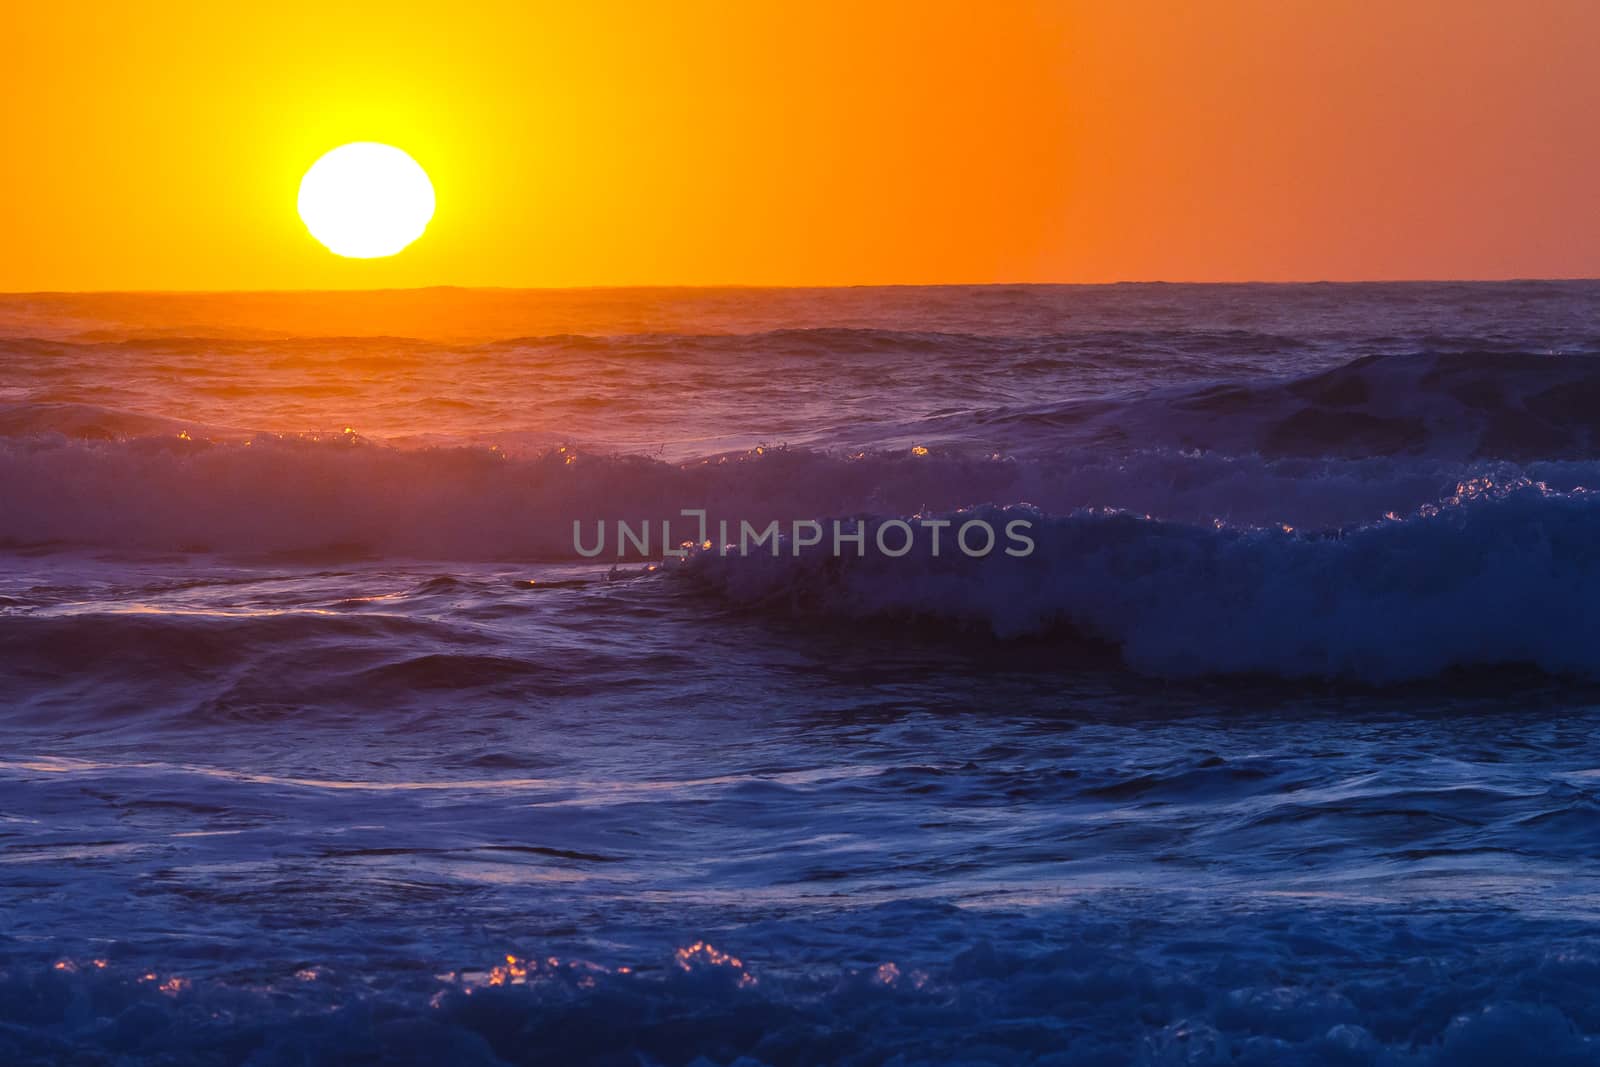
<point>326,736</point>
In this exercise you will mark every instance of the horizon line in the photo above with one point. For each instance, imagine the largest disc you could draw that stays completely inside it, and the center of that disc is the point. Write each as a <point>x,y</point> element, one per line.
<point>712,286</point>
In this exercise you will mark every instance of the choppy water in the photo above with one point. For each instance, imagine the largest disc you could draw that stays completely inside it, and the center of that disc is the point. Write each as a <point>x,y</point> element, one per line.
<point>321,743</point>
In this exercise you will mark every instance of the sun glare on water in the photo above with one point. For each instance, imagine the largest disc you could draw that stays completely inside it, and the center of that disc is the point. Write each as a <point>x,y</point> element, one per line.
<point>365,200</point>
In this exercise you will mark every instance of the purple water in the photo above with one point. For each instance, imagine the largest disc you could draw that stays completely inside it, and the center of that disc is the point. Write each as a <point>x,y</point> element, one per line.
<point>1279,748</point>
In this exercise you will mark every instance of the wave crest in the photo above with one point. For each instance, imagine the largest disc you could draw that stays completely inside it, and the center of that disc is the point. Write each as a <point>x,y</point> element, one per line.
<point>1492,576</point>
<point>1465,406</point>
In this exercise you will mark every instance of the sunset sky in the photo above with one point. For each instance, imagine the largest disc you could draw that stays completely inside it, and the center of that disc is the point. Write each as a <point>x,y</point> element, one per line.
<point>160,146</point>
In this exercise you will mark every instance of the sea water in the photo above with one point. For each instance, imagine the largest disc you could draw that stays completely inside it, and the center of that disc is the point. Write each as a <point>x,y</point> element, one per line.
<point>323,743</point>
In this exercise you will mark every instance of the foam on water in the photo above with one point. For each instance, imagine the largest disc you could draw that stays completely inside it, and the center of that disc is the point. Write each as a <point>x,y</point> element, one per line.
<point>1094,990</point>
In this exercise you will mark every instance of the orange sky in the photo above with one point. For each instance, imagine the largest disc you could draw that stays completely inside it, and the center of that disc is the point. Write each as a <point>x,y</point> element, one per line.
<point>160,146</point>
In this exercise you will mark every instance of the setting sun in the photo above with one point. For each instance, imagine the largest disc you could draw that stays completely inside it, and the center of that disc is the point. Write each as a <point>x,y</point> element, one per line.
<point>366,200</point>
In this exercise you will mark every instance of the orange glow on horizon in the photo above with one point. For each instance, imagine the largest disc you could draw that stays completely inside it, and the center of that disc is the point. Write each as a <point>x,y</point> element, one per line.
<point>160,146</point>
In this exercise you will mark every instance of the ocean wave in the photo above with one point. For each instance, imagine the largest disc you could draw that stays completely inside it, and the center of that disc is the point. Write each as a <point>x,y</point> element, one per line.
<point>1188,352</point>
<point>272,494</point>
<point>1492,576</point>
<point>1325,451</point>
<point>1468,406</point>
<point>29,418</point>
<point>269,493</point>
<point>1463,405</point>
<point>266,494</point>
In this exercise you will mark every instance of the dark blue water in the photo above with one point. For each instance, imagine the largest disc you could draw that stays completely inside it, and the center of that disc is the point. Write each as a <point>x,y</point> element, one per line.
<point>322,743</point>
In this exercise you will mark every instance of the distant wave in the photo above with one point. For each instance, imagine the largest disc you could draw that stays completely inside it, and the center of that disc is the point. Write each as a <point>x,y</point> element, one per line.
<point>1463,406</point>
<point>1468,405</point>
<point>1091,347</point>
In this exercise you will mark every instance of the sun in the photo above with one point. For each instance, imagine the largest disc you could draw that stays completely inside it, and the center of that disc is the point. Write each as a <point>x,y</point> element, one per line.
<point>365,200</point>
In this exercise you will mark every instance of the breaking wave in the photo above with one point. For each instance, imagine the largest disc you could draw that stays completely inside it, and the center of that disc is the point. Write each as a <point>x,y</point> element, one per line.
<point>1389,519</point>
<point>1493,576</point>
<point>1324,451</point>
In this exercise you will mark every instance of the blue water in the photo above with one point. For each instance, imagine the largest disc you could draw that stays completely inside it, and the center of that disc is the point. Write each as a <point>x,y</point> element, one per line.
<point>322,744</point>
